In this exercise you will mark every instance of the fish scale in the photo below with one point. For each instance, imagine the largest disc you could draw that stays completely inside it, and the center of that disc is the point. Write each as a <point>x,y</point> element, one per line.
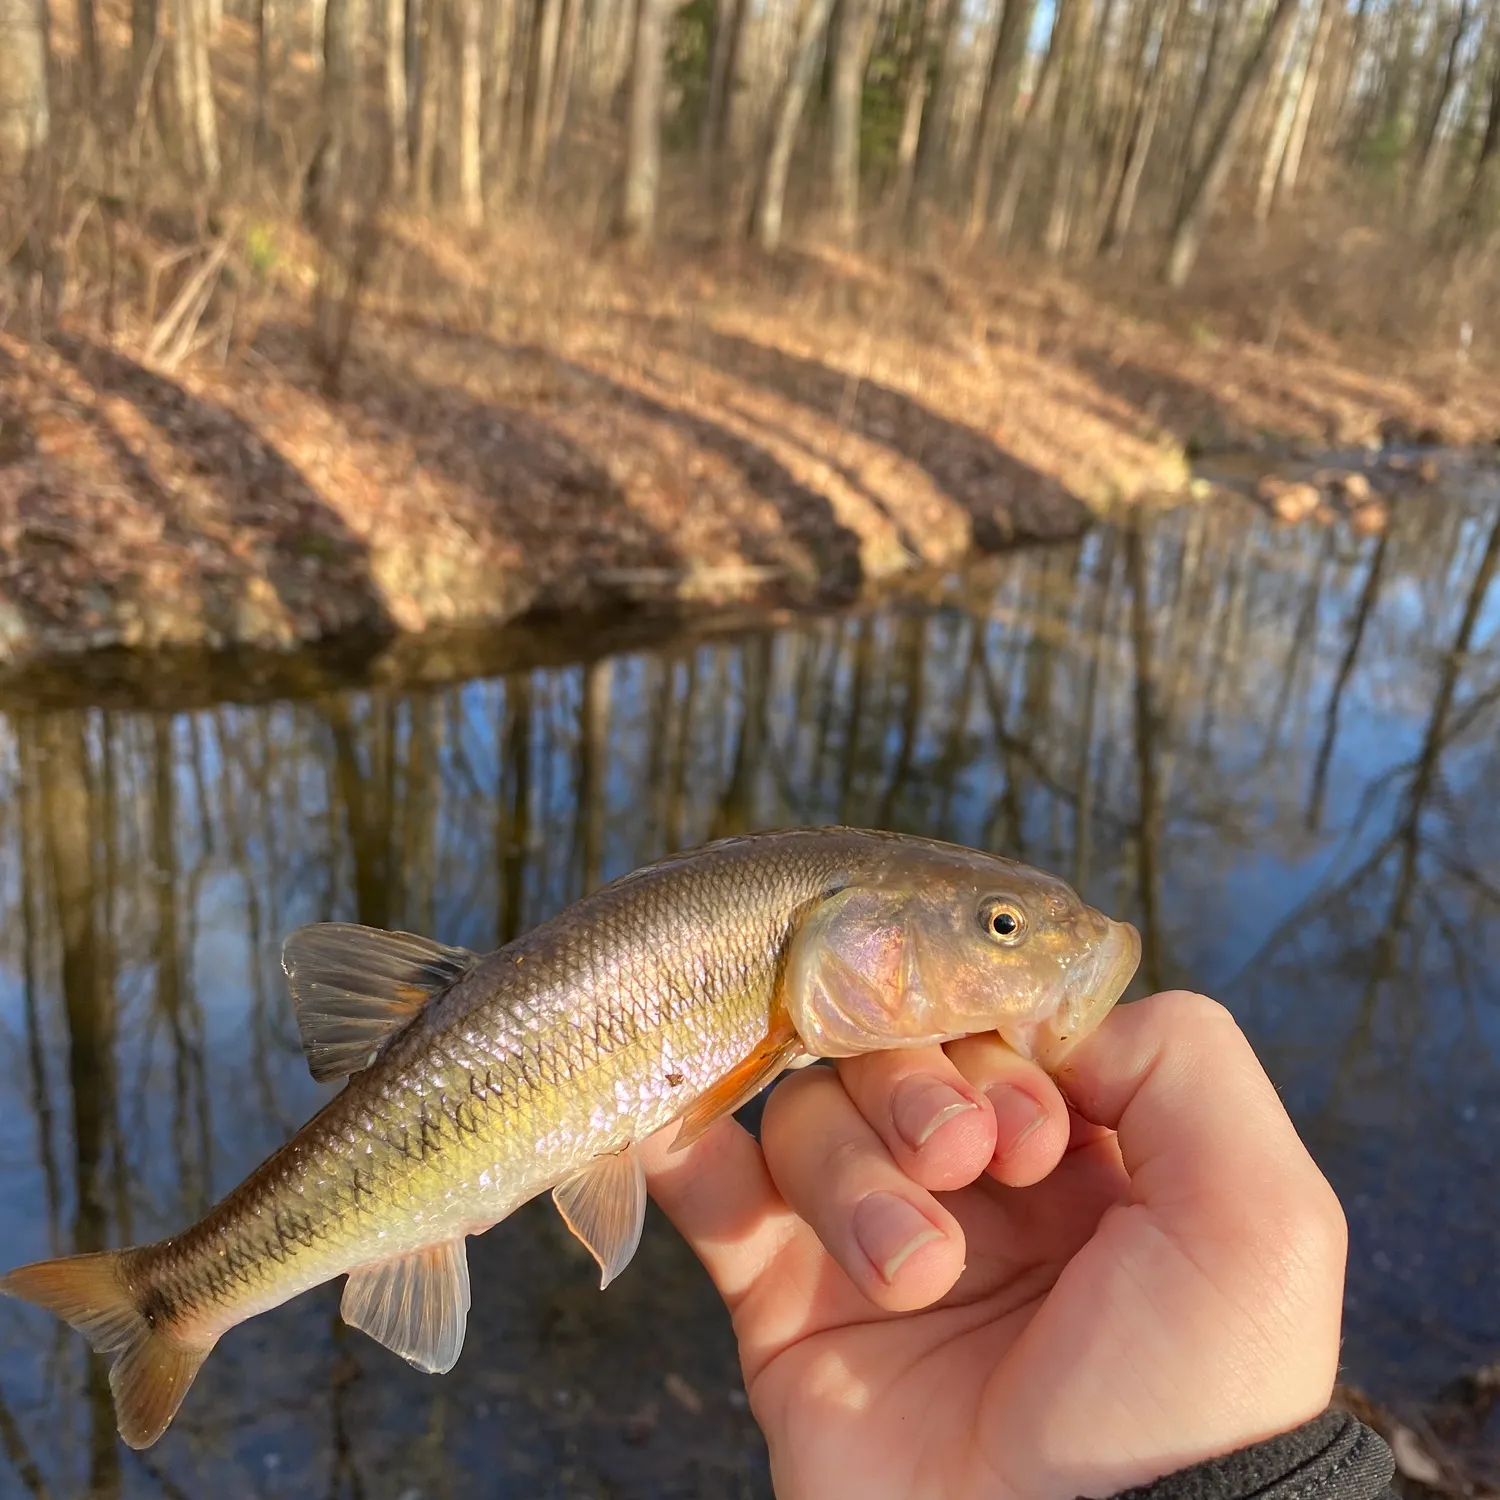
<point>475,1084</point>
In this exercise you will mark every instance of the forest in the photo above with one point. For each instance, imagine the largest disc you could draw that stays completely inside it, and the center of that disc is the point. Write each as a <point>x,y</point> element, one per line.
<point>338,314</point>
<point>1079,130</point>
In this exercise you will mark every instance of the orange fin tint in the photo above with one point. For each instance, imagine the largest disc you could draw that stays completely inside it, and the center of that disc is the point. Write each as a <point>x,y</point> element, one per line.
<point>417,1305</point>
<point>354,988</point>
<point>151,1369</point>
<point>779,1049</point>
<point>605,1206</point>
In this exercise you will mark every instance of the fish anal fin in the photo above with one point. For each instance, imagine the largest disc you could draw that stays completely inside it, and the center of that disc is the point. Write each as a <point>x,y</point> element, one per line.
<point>354,988</point>
<point>151,1366</point>
<point>778,1050</point>
<point>605,1207</point>
<point>417,1305</point>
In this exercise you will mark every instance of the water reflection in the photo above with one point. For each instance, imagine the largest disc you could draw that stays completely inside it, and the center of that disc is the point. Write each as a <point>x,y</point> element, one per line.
<point>1275,751</point>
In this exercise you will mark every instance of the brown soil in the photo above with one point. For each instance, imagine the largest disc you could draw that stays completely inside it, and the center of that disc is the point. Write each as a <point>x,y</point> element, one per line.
<point>524,426</point>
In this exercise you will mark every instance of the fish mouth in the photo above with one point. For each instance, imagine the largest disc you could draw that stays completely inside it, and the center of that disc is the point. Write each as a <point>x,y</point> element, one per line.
<point>1089,994</point>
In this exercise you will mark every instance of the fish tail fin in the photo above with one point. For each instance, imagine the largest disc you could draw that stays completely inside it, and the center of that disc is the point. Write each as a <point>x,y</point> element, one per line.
<point>151,1367</point>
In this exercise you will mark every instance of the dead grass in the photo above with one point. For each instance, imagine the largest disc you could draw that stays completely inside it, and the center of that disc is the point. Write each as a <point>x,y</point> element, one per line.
<point>525,424</point>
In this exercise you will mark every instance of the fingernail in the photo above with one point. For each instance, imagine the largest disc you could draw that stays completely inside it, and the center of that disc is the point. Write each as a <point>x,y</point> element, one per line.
<point>890,1230</point>
<point>1017,1114</point>
<point>920,1105</point>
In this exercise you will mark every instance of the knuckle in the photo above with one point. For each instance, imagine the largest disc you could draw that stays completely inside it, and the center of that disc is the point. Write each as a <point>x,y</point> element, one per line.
<point>1189,1011</point>
<point>1302,1230</point>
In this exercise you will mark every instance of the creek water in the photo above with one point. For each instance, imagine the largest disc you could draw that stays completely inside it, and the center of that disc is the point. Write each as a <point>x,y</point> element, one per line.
<point>1276,750</point>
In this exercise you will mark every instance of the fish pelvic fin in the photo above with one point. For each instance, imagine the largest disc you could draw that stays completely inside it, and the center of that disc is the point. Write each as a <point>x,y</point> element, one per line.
<point>355,988</point>
<point>417,1305</point>
<point>779,1049</point>
<point>151,1365</point>
<point>605,1207</point>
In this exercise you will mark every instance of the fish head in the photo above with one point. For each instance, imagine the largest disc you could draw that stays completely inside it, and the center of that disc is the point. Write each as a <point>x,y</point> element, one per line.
<point>943,942</point>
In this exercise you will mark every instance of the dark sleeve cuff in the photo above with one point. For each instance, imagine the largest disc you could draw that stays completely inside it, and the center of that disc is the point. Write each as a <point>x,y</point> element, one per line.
<point>1333,1457</point>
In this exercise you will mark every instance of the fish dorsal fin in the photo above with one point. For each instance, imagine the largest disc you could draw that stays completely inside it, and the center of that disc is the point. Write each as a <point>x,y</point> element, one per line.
<point>353,988</point>
<point>417,1305</point>
<point>605,1206</point>
<point>779,1049</point>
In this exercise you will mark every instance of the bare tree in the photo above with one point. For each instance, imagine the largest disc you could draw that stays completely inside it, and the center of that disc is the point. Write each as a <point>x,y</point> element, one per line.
<point>643,139</point>
<point>916,77</point>
<point>1487,163</point>
<point>855,32</point>
<point>932,142</point>
<point>1028,137</point>
<point>543,71</point>
<point>25,112</point>
<point>1142,134</point>
<point>1307,100</point>
<point>1208,182</point>
<point>1284,116</point>
<point>997,108</point>
<point>470,190</point>
<point>1422,158</point>
<point>397,107</point>
<point>195,94</point>
<point>786,117</point>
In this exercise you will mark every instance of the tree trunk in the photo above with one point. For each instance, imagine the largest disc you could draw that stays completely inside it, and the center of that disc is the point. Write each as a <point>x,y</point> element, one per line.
<point>1487,164</point>
<point>397,108</point>
<point>1208,183</point>
<point>1432,119</point>
<point>786,117</point>
<point>88,54</point>
<point>1037,115</point>
<point>501,118</point>
<point>1074,100</point>
<point>1345,69</point>
<point>338,94</point>
<point>1283,116</point>
<point>914,92</point>
<point>855,33</point>
<point>562,79</point>
<point>740,132</point>
<point>621,50</point>
<point>470,187</point>
<point>997,109</point>
<point>1307,98</point>
<point>543,71</point>
<point>1122,208</point>
<point>727,20</point>
<point>932,142</point>
<point>429,86</point>
<point>643,127</point>
<point>145,24</point>
<point>195,88</point>
<point>25,103</point>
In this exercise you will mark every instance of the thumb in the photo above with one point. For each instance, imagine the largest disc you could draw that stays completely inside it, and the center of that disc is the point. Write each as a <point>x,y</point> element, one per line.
<point>1208,1145</point>
<point>1205,1312</point>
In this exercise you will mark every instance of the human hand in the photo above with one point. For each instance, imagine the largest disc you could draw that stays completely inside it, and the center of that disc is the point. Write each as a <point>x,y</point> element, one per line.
<point>1028,1303</point>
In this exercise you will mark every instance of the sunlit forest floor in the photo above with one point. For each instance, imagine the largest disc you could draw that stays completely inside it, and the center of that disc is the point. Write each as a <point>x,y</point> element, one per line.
<point>527,421</point>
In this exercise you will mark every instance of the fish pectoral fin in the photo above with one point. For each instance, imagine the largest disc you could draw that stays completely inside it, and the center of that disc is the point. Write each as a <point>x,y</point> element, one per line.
<point>151,1366</point>
<point>605,1206</point>
<point>417,1305</point>
<point>354,988</point>
<point>779,1049</point>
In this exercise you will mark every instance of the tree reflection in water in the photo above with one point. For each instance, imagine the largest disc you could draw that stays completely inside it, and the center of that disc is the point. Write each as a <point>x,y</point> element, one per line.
<point>1274,750</point>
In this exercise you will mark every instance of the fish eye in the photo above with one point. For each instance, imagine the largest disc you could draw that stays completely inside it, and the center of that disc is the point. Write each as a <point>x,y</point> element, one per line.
<point>1003,921</point>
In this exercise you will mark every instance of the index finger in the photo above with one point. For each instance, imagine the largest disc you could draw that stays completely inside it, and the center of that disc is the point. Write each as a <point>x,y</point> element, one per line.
<point>721,1200</point>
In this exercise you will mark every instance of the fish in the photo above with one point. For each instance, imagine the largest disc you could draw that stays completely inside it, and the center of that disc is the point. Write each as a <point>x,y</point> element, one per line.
<point>670,997</point>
